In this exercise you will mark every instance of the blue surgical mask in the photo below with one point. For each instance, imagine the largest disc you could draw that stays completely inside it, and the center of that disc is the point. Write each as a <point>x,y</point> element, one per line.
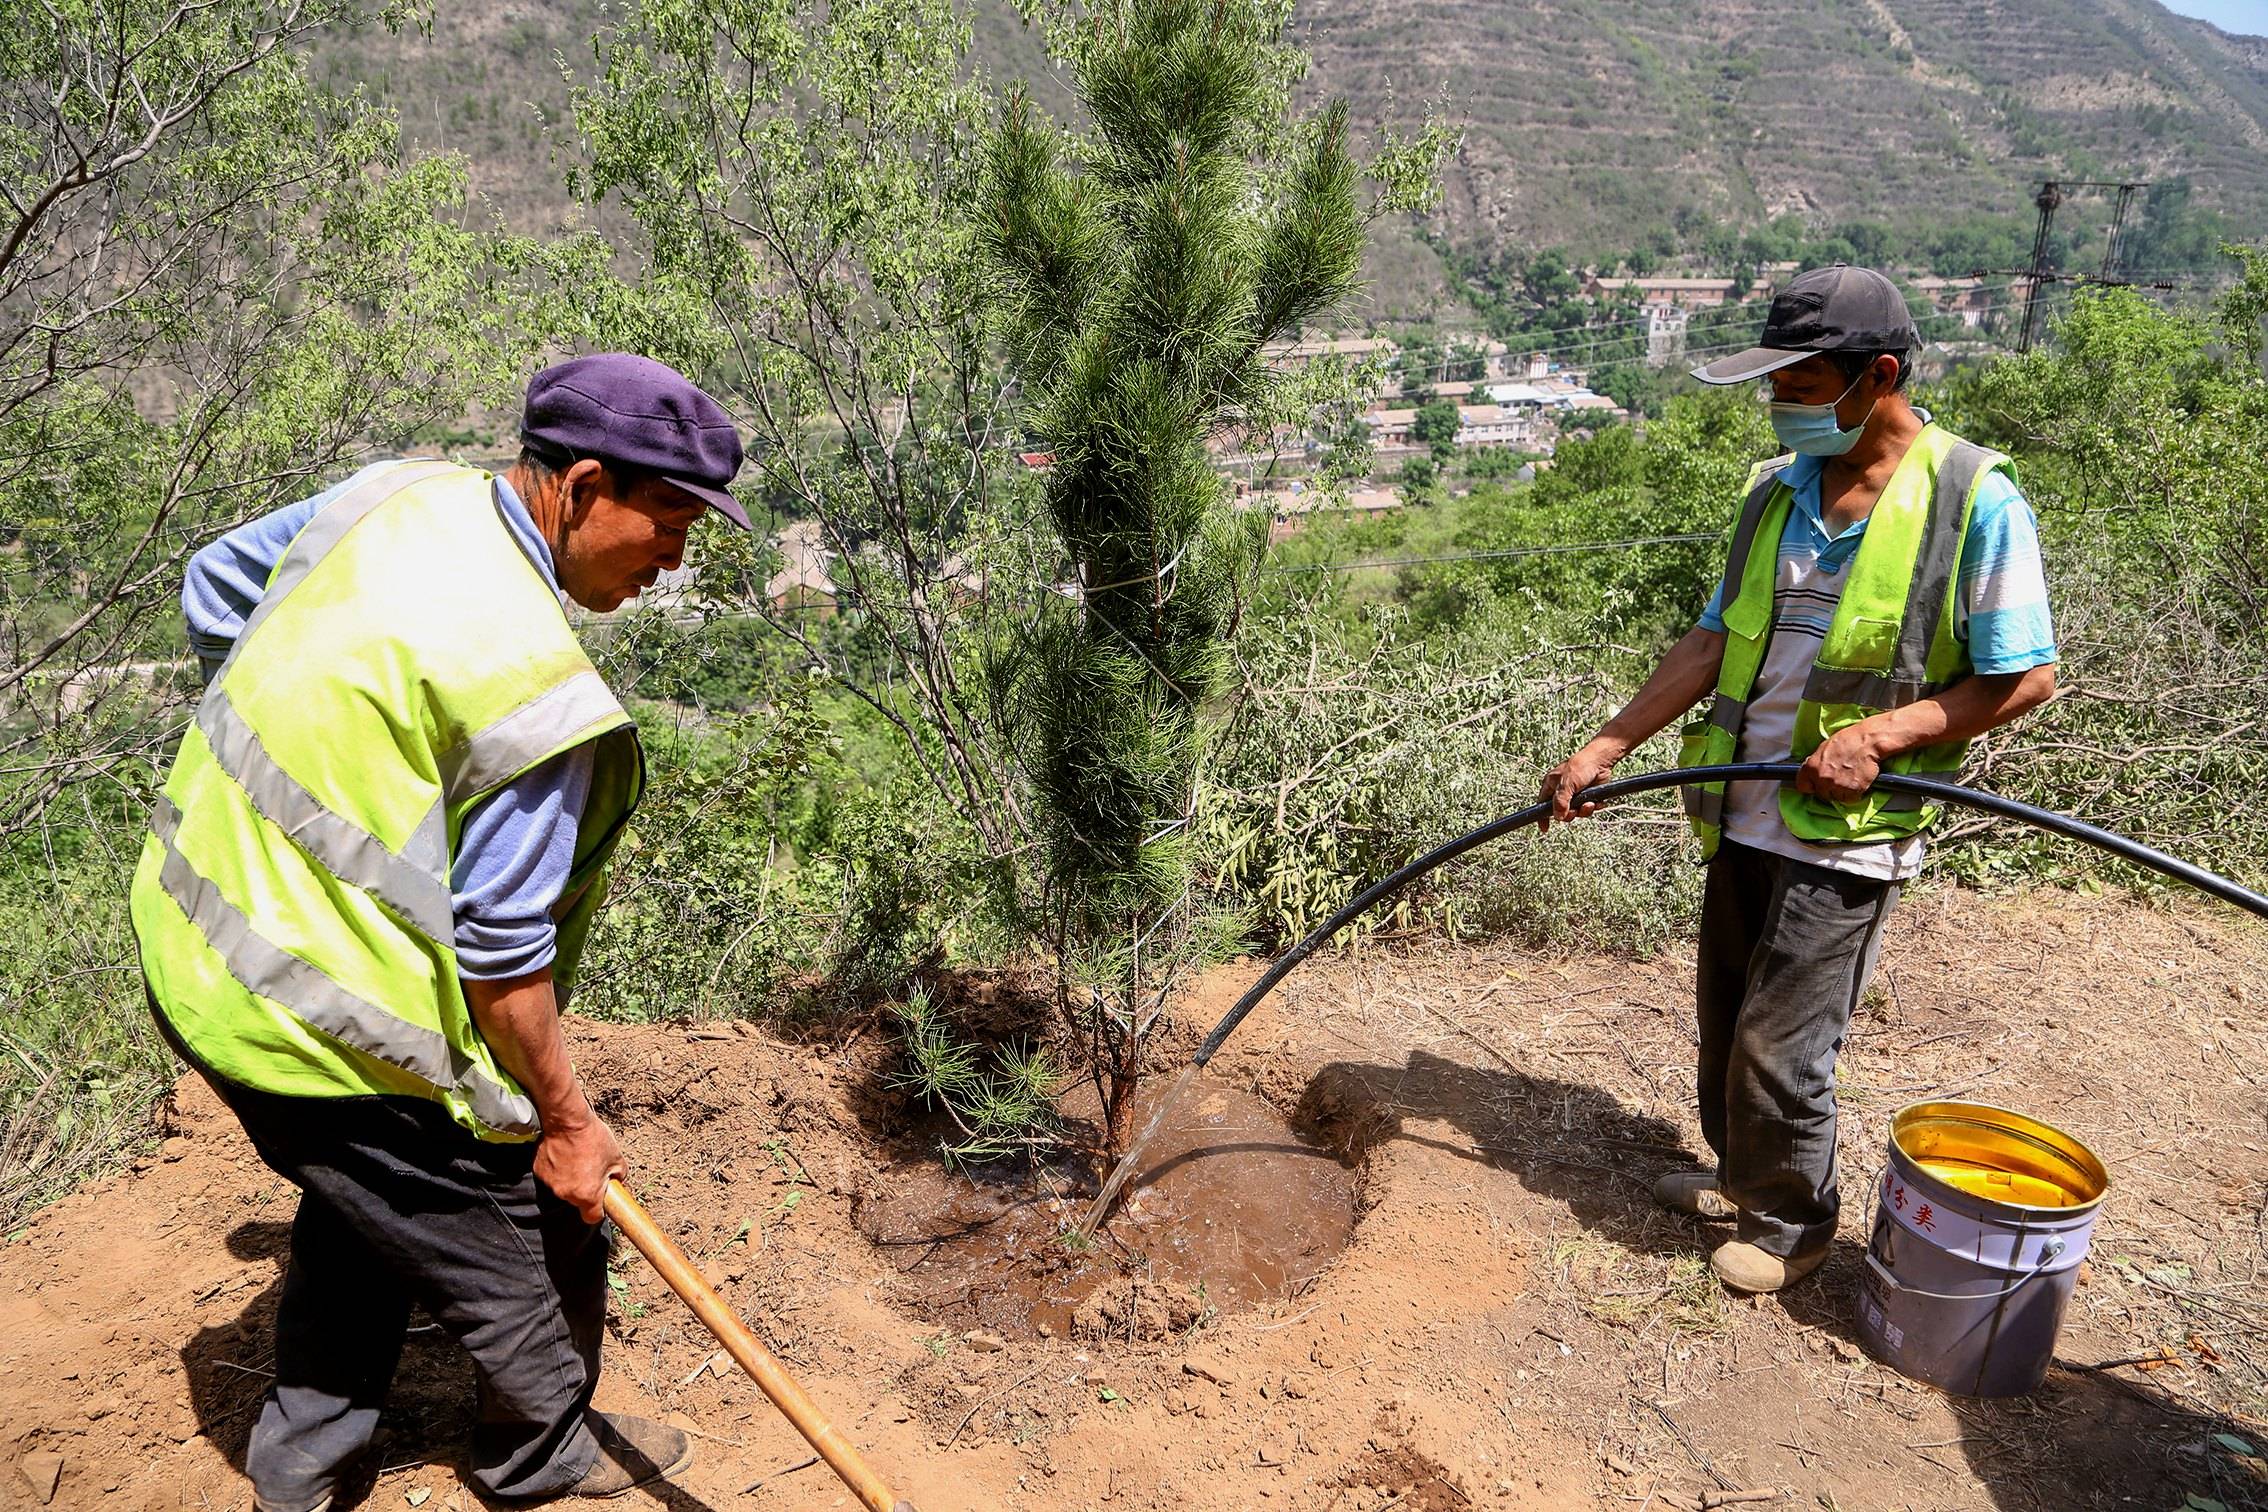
<point>1811,428</point>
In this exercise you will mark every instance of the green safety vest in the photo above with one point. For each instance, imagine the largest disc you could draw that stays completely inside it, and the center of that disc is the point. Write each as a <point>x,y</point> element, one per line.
<point>1890,643</point>
<point>292,903</point>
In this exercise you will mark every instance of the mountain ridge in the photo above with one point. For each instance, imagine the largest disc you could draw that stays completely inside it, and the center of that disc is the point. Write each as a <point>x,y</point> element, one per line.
<point>1588,124</point>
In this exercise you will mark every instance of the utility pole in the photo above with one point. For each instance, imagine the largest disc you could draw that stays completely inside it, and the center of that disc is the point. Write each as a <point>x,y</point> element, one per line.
<point>2111,248</point>
<point>2049,199</point>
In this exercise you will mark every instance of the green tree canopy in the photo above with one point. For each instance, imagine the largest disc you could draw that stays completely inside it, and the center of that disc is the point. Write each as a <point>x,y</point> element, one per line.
<point>1140,274</point>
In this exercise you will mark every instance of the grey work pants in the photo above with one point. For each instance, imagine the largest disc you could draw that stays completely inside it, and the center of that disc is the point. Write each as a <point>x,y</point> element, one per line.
<point>1786,950</point>
<point>399,1205</point>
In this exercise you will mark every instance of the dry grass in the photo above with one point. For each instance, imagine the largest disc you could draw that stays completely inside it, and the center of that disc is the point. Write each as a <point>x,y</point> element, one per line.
<point>1676,1294</point>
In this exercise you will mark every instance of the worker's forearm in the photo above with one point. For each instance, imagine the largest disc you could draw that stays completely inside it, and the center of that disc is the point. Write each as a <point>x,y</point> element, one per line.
<point>519,1017</point>
<point>1963,711</point>
<point>1683,679</point>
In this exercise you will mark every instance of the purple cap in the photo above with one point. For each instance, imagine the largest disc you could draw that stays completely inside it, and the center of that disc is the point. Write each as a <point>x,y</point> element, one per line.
<point>620,407</point>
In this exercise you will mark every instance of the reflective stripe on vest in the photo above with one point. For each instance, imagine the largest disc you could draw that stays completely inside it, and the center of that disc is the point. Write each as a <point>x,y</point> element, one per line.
<point>1752,512</point>
<point>267,970</point>
<point>1713,740</point>
<point>1922,660</point>
<point>497,754</point>
<point>293,902</point>
<point>1927,596</point>
<point>413,883</point>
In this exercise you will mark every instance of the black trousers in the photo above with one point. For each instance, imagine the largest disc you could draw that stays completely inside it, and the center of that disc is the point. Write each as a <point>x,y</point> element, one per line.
<point>1785,953</point>
<point>400,1205</point>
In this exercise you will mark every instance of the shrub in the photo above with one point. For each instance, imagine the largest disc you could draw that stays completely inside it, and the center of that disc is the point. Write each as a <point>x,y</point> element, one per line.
<point>1340,766</point>
<point>2137,438</point>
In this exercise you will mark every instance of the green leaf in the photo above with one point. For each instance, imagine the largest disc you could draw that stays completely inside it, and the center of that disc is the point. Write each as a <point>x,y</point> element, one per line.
<point>2234,1445</point>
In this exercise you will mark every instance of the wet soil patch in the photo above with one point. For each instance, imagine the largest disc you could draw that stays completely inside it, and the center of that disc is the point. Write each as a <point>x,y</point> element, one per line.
<point>1231,1206</point>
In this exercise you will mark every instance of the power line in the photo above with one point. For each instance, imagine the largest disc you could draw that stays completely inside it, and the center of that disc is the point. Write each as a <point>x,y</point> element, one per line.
<point>1609,338</point>
<point>1604,333</point>
<point>1493,556</point>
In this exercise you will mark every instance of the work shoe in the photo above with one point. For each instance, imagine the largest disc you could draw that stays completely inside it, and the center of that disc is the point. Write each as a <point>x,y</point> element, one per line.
<point>633,1452</point>
<point>1693,1192</point>
<point>1745,1268</point>
<point>262,1504</point>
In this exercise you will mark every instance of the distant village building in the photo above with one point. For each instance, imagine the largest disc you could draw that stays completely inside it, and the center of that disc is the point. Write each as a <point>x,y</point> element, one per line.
<point>1686,293</point>
<point>1561,393</point>
<point>1523,395</point>
<point>1494,425</point>
<point>1294,354</point>
<point>1665,334</point>
<point>1292,506</point>
<point>1390,428</point>
<point>964,581</point>
<point>803,582</point>
<point>1967,298</point>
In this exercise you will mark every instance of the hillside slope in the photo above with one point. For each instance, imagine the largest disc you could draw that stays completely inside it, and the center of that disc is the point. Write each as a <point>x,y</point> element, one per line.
<point>1590,123</point>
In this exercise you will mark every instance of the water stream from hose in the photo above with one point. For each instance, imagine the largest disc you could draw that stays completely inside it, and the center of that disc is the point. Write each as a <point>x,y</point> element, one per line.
<point>1123,1172</point>
<point>1932,788</point>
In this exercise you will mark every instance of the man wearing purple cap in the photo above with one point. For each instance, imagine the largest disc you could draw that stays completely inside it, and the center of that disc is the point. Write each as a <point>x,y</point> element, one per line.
<point>1883,604</point>
<point>366,891</point>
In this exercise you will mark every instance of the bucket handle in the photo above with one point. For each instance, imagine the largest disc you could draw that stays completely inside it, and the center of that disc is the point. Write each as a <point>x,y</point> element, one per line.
<point>2047,1255</point>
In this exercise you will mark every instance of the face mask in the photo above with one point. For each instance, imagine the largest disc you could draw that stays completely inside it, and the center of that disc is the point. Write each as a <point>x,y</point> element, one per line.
<point>1811,428</point>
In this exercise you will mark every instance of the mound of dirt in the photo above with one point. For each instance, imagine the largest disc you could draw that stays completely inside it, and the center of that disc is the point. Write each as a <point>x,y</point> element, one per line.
<point>1511,1325</point>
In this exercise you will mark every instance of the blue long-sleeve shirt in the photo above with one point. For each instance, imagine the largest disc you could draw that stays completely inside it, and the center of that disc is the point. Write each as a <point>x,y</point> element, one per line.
<point>518,843</point>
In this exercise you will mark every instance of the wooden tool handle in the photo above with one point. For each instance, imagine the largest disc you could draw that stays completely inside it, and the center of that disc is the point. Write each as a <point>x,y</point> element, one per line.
<point>762,1367</point>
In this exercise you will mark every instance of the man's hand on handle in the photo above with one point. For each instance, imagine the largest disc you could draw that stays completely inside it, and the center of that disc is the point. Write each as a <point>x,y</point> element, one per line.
<point>575,1160</point>
<point>576,1152</point>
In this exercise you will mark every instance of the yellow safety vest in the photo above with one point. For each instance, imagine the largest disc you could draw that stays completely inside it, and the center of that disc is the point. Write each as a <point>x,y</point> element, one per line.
<point>292,903</point>
<point>1890,643</point>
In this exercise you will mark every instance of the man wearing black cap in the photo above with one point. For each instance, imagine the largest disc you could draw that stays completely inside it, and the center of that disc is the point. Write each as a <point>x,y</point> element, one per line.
<point>1883,604</point>
<point>366,891</point>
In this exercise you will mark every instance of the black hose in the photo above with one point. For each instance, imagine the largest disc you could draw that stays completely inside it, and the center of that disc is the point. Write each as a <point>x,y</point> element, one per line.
<point>1746,771</point>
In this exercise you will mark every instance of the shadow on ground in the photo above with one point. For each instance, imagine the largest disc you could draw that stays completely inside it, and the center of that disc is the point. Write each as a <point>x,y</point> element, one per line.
<point>1560,1139</point>
<point>429,1411</point>
<point>2087,1438</point>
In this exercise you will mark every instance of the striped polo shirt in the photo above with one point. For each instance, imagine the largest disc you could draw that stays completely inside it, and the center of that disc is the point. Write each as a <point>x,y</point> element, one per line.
<point>2001,616</point>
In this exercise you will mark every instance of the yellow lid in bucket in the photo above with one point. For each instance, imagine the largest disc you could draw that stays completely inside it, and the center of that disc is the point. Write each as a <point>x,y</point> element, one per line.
<point>1998,1156</point>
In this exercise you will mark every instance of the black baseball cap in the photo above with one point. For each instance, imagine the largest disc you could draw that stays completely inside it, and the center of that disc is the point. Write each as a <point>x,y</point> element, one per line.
<point>1834,309</point>
<point>621,407</point>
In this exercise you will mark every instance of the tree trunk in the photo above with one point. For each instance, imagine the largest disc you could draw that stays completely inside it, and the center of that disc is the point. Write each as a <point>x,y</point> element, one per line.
<point>1118,1112</point>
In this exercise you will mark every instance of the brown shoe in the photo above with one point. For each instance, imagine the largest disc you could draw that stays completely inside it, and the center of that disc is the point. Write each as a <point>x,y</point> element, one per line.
<point>1694,1193</point>
<point>633,1452</point>
<point>1745,1268</point>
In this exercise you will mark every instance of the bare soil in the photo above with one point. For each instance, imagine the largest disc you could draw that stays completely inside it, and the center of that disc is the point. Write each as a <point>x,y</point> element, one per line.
<point>1229,1205</point>
<point>1512,1325</point>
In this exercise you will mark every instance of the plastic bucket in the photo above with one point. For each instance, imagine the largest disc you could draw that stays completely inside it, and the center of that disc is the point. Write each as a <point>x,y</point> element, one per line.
<point>1980,1222</point>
